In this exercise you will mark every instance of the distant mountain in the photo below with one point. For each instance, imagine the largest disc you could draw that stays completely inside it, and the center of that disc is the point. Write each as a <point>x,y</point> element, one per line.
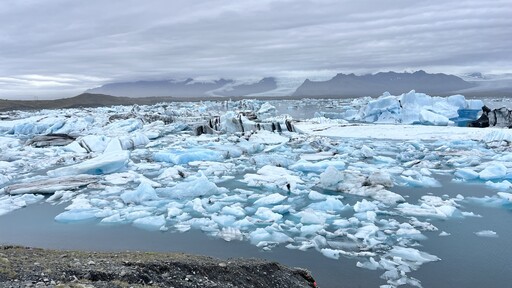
<point>351,85</point>
<point>264,85</point>
<point>187,88</point>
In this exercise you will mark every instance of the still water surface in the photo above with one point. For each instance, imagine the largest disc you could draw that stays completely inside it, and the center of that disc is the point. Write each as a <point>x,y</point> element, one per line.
<point>467,260</point>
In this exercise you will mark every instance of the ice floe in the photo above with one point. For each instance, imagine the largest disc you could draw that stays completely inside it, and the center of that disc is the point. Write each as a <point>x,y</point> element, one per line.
<point>331,185</point>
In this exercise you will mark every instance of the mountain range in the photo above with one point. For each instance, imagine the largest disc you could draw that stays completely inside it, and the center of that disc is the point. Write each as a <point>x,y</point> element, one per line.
<point>351,85</point>
<point>341,85</point>
<point>186,88</point>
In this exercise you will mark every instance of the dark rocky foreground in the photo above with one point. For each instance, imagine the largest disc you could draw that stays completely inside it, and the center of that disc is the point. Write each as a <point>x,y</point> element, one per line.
<point>30,267</point>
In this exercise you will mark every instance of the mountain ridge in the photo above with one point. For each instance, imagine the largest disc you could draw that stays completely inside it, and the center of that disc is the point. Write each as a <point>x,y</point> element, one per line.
<point>351,85</point>
<point>185,88</point>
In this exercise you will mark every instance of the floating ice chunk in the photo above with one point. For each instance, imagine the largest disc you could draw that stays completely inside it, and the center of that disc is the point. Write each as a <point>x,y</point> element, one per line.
<point>250,147</point>
<point>506,196</point>
<point>493,171</point>
<point>273,177</point>
<point>173,212</point>
<point>380,178</point>
<point>152,223</point>
<point>330,204</point>
<point>343,223</point>
<point>474,104</point>
<point>310,216</point>
<point>498,136</point>
<point>266,110</point>
<point>173,173</point>
<point>8,142</point>
<point>50,185</point>
<point>136,140</point>
<point>444,234</point>
<point>316,156</point>
<point>487,233</point>
<point>431,118</point>
<point>307,230</point>
<point>236,211</point>
<point>331,253</point>
<point>144,192</point>
<point>137,212</point>
<point>114,218</point>
<point>74,147</point>
<point>330,178</point>
<point>382,195</point>
<point>271,199</point>
<point>366,231</point>
<point>420,181</point>
<point>103,164</point>
<point>189,155</point>
<point>80,203</point>
<point>385,107</point>
<point>61,196</point>
<point>501,186</point>
<point>318,167</point>
<point>76,215</point>
<point>413,255</point>
<point>370,265</point>
<point>267,137</point>
<point>230,234</point>
<point>364,205</point>
<point>267,215</point>
<point>367,152</point>
<point>29,128</point>
<point>93,143</point>
<point>425,210</point>
<point>261,237</point>
<point>120,178</point>
<point>244,224</point>
<point>466,174</point>
<point>282,209</point>
<point>193,187</point>
<point>224,220</point>
<point>125,125</point>
<point>316,196</point>
<point>407,231</point>
<point>488,201</point>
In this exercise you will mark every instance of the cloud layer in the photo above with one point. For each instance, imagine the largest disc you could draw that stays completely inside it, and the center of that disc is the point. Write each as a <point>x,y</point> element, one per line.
<point>56,48</point>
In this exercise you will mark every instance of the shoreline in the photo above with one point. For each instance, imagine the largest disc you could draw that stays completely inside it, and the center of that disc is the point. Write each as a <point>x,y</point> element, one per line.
<point>36,267</point>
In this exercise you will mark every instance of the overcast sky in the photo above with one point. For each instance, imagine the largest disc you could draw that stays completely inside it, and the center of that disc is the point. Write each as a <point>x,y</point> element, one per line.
<point>59,48</point>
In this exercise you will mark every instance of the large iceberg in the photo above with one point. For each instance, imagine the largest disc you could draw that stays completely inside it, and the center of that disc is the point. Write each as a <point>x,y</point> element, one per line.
<point>417,108</point>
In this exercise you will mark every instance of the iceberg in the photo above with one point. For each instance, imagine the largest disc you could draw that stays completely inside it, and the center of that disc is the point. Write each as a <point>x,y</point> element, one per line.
<point>144,192</point>
<point>50,185</point>
<point>111,160</point>
<point>179,157</point>
<point>487,233</point>
<point>193,187</point>
<point>493,171</point>
<point>416,108</point>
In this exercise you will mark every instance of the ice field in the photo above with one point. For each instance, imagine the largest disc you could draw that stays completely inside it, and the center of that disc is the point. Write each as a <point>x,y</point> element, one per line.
<point>304,174</point>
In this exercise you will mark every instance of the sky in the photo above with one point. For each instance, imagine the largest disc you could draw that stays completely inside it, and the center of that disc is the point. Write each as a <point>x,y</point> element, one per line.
<point>59,48</point>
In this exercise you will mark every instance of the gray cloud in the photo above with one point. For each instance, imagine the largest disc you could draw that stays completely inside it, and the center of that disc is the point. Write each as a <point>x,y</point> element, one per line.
<point>92,42</point>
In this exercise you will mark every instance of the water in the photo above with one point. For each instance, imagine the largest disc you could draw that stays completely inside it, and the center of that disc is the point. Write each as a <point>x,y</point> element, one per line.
<point>467,260</point>
<point>34,226</point>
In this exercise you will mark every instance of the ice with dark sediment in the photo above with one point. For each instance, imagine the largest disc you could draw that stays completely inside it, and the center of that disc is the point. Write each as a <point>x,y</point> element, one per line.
<point>327,184</point>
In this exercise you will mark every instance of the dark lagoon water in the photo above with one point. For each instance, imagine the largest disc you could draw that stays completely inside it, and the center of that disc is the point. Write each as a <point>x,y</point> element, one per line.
<point>467,260</point>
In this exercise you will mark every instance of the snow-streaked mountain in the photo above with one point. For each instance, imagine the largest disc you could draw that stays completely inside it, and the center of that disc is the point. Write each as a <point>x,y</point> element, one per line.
<point>186,88</point>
